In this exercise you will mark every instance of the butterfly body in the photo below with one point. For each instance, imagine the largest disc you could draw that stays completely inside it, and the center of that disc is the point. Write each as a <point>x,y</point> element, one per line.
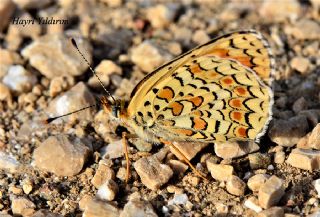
<point>216,92</point>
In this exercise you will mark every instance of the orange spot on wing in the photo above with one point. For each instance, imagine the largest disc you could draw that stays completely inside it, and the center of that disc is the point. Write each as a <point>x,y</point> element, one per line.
<point>212,74</point>
<point>168,122</point>
<point>184,132</point>
<point>197,101</point>
<point>244,60</point>
<point>176,108</point>
<point>242,131</point>
<point>236,103</point>
<point>166,93</point>
<point>223,53</point>
<point>219,52</point>
<point>195,68</point>
<point>196,113</point>
<point>227,81</point>
<point>237,115</point>
<point>240,90</point>
<point>199,123</point>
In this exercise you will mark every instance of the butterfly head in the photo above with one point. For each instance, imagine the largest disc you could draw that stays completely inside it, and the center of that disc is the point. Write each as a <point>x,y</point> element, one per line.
<point>116,108</point>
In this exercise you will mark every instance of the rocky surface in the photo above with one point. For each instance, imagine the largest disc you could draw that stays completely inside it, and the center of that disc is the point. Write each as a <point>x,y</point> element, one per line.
<point>75,166</point>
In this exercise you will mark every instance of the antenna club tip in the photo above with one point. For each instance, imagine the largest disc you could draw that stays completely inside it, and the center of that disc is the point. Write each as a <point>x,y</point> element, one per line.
<point>47,121</point>
<point>74,42</point>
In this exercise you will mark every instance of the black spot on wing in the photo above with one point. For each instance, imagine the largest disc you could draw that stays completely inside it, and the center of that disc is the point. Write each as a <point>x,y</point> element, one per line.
<point>147,103</point>
<point>192,85</point>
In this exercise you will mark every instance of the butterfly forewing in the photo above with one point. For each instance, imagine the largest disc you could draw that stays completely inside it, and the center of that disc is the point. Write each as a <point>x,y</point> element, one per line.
<point>216,92</point>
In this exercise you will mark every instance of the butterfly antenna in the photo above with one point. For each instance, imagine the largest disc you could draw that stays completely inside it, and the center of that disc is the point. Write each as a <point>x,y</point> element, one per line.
<point>49,120</point>
<point>91,69</point>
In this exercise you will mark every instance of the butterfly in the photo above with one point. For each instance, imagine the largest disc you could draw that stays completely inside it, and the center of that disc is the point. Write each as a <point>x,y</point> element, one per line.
<point>216,92</point>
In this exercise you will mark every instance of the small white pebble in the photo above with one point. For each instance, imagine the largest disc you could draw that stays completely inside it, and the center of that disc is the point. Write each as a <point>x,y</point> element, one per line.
<point>181,199</point>
<point>165,209</point>
<point>270,167</point>
<point>252,204</point>
<point>316,184</point>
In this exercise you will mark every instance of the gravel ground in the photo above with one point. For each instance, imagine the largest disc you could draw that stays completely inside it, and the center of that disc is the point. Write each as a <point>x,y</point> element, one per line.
<point>74,166</point>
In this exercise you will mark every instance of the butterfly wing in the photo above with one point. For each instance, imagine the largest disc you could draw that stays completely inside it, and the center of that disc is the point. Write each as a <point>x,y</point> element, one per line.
<point>216,92</point>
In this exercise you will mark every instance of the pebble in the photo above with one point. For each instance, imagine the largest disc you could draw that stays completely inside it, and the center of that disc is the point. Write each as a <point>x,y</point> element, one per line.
<point>148,56</point>
<point>7,8</point>
<point>103,174</point>
<point>229,150</point>
<point>222,209</point>
<point>141,145</point>
<point>200,37</point>
<point>174,189</point>
<point>235,186</point>
<point>8,163</point>
<point>162,15</point>
<point>311,140</point>
<point>32,4</point>
<point>254,183</point>
<point>188,149</point>
<point>313,116</point>
<point>45,213</point>
<point>108,190</point>
<point>288,132</point>
<point>253,204</point>
<point>19,79</point>
<point>5,95</point>
<point>299,105</point>
<point>178,199</point>
<point>314,214</point>
<point>219,172</point>
<point>279,11</point>
<point>61,155</point>
<point>315,137</point>
<point>76,98</point>
<point>182,35</point>
<point>271,192</point>
<point>316,184</point>
<point>259,160</point>
<point>300,64</point>
<point>122,173</point>
<point>85,199</point>
<point>16,33</point>
<point>9,57</point>
<point>138,207</point>
<point>304,29</point>
<point>15,190</point>
<point>292,215</point>
<point>27,187</point>
<point>59,84</point>
<point>113,3</point>
<point>304,159</point>
<point>104,70</point>
<point>178,167</point>
<point>22,206</point>
<point>113,150</point>
<point>279,157</point>
<point>153,174</point>
<point>98,208</point>
<point>271,212</point>
<point>53,55</point>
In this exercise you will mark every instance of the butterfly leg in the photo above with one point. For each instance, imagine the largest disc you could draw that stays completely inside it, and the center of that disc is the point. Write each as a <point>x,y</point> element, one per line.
<point>184,158</point>
<point>125,147</point>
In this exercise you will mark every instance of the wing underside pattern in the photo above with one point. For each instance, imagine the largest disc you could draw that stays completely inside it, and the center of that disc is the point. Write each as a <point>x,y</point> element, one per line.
<point>216,92</point>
